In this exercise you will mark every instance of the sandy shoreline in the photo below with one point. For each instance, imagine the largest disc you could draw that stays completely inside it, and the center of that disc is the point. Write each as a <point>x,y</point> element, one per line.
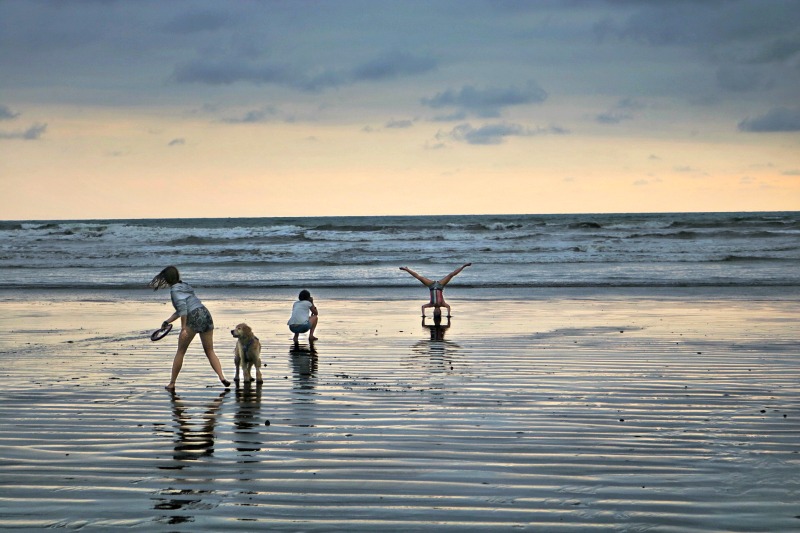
<point>621,411</point>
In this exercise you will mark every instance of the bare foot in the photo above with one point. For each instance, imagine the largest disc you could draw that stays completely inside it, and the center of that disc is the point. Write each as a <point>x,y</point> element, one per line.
<point>312,339</point>
<point>170,387</point>
<point>225,382</point>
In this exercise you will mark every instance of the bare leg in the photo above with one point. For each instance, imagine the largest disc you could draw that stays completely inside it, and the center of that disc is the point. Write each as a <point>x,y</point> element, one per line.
<point>207,338</point>
<point>427,306</point>
<point>184,339</point>
<point>445,280</point>
<point>313,321</point>
<point>425,281</point>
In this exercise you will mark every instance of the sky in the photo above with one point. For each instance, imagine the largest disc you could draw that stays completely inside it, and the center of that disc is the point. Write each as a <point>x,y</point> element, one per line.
<point>152,109</point>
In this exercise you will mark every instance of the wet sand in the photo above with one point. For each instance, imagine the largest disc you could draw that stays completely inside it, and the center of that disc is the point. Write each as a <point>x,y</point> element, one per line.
<point>612,411</point>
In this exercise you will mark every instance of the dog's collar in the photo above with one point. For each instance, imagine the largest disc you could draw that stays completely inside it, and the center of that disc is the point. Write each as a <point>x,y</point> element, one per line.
<point>247,346</point>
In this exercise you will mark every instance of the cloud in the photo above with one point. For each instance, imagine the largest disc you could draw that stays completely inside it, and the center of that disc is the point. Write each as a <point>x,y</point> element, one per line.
<point>216,72</point>
<point>393,65</point>
<point>7,114</point>
<point>612,117</point>
<point>739,79</point>
<point>486,102</point>
<point>177,142</point>
<point>229,71</point>
<point>779,50</point>
<point>778,119</point>
<point>254,116</point>
<point>496,133</point>
<point>700,22</point>
<point>399,124</point>
<point>620,111</point>
<point>197,22</point>
<point>31,134</point>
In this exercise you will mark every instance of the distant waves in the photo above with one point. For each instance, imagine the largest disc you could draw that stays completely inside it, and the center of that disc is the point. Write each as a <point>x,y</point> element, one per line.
<point>592,250</point>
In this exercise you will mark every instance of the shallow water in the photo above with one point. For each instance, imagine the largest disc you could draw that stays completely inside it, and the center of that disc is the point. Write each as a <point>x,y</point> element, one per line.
<point>623,412</point>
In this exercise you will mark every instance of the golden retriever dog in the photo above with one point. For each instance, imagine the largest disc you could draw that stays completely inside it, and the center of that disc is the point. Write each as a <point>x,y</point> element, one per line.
<point>247,353</point>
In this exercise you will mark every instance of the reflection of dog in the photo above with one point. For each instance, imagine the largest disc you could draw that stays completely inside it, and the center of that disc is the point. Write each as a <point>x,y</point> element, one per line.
<point>247,353</point>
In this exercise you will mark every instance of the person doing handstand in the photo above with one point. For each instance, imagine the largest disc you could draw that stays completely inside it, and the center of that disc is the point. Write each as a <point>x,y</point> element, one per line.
<point>436,288</point>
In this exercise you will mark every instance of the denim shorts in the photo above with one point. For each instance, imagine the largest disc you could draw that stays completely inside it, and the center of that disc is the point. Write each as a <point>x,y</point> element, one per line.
<point>300,328</point>
<point>200,320</point>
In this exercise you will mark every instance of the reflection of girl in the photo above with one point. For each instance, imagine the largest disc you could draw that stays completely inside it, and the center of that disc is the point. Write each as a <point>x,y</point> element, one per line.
<point>437,329</point>
<point>436,288</point>
<point>195,319</point>
<point>192,441</point>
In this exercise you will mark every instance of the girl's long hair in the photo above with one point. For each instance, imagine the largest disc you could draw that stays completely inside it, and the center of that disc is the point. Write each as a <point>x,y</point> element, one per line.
<point>166,278</point>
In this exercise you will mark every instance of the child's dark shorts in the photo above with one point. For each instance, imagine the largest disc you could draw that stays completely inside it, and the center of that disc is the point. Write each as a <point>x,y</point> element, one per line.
<point>200,320</point>
<point>300,328</point>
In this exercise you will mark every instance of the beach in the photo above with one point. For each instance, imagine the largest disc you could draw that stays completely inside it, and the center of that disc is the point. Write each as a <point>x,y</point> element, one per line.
<point>625,409</point>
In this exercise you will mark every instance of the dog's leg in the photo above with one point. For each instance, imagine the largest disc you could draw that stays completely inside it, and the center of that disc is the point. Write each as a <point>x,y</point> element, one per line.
<point>257,353</point>
<point>236,361</point>
<point>246,371</point>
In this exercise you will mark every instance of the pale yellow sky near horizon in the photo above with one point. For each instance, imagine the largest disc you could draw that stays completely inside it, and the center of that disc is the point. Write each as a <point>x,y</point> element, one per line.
<point>192,109</point>
<point>100,168</point>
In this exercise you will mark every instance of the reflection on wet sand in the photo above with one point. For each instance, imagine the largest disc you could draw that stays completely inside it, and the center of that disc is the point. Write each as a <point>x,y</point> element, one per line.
<point>437,329</point>
<point>439,350</point>
<point>247,420</point>
<point>435,355</point>
<point>304,360</point>
<point>192,440</point>
<point>304,366</point>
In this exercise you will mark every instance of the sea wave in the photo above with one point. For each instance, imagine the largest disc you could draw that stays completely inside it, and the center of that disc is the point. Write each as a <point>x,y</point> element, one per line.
<point>581,249</point>
<point>360,284</point>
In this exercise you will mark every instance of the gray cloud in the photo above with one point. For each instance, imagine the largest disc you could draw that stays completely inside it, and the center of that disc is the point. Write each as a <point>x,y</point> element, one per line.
<point>31,134</point>
<point>621,111</point>
<point>119,54</point>
<point>399,124</point>
<point>779,50</point>
<point>7,114</point>
<point>487,102</point>
<point>198,21</point>
<point>778,119</point>
<point>703,22</point>
<point>496,133</point>
<point>739,78</point>
<point>254,116</point>
<point>226,72</point>
<point>612,117</point>
<point>393,65</point>
<point>215,72</point>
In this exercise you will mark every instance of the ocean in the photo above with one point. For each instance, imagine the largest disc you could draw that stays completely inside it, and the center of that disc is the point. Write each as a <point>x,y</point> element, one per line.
<point>507,251</point>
